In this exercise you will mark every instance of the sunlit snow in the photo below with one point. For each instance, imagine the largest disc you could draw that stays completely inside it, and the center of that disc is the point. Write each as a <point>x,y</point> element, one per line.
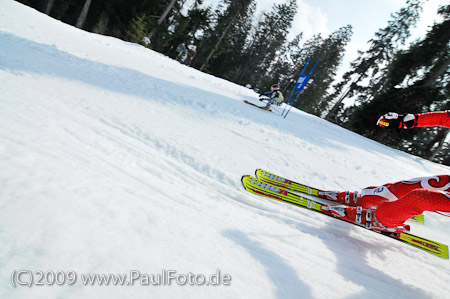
<point>116,158</point>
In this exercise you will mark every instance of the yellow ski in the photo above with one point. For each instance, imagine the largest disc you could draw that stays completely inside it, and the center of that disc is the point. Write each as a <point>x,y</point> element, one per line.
<point>265,189</point>
<point>282,182</point>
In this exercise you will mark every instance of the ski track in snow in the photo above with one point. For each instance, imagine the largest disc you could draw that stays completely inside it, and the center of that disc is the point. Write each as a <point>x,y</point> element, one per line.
<point>116,158</point>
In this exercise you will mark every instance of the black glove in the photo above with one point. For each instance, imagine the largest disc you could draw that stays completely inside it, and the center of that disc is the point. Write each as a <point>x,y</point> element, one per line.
<point>392,120</point>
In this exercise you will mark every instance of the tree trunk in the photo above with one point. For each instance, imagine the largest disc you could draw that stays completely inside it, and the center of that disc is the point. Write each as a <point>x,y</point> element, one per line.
<point>102,24</point>
<point>440,138</point>
<point>162,17</point>
<point>49,6</point>
<point>83,14</point>
<point>331,115</point>
<point>219,41</point>
<point>438,71</point>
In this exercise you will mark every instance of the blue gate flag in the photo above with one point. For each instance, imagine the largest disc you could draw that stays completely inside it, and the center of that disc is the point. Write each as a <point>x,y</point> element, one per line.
<point>301,82</point>
<point>299,85</point>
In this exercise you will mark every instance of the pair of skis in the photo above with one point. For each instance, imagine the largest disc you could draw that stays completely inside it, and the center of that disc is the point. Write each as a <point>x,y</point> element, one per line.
<point>270,108</point>
<point>276,187</point>
<point>260,107</point>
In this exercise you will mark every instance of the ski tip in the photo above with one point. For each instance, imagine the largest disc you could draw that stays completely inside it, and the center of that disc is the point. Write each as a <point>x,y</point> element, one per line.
<point>243,178</point>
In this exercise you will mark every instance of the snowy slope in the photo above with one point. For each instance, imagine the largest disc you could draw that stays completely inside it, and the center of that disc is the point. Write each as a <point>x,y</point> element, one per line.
<point>115,158</point>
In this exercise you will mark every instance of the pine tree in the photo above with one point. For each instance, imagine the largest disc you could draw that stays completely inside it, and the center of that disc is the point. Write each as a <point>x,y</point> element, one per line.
<point>189,28</point>
<point>285,68</point>
<point>330,51</point>
<point>166,15</point>
<point>226,63</point>
<point>225,21</point>
<point>416,81</point>
<point>269,37</point>
<point>371,65</point>
<point>162,18</point>
<point>137,30</point>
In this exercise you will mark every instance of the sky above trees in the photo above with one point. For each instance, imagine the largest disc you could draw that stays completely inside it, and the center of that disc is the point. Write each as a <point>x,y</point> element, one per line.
<point>365,16</point>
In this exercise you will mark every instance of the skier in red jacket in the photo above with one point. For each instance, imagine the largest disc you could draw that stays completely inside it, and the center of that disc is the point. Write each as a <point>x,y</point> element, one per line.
<point>387,207</point>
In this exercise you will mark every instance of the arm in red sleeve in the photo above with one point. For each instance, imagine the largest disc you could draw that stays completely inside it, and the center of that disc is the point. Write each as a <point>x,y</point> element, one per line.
<point>434,119</point>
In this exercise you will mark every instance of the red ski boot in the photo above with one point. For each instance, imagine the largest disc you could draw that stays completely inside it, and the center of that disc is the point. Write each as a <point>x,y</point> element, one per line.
<point>361,216</point>
<point>345,197</point>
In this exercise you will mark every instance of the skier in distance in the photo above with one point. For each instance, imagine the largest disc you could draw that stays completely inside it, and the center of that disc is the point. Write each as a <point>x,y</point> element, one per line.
<point>274,96</point>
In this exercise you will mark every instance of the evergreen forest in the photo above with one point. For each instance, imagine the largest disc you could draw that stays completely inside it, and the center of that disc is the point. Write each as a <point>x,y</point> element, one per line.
<point>233,42</point>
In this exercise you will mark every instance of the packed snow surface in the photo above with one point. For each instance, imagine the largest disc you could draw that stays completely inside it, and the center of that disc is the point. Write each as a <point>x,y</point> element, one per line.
<point>115,158</point>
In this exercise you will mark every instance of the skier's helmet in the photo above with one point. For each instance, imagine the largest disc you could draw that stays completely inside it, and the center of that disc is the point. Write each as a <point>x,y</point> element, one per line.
<point>275,87</point>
